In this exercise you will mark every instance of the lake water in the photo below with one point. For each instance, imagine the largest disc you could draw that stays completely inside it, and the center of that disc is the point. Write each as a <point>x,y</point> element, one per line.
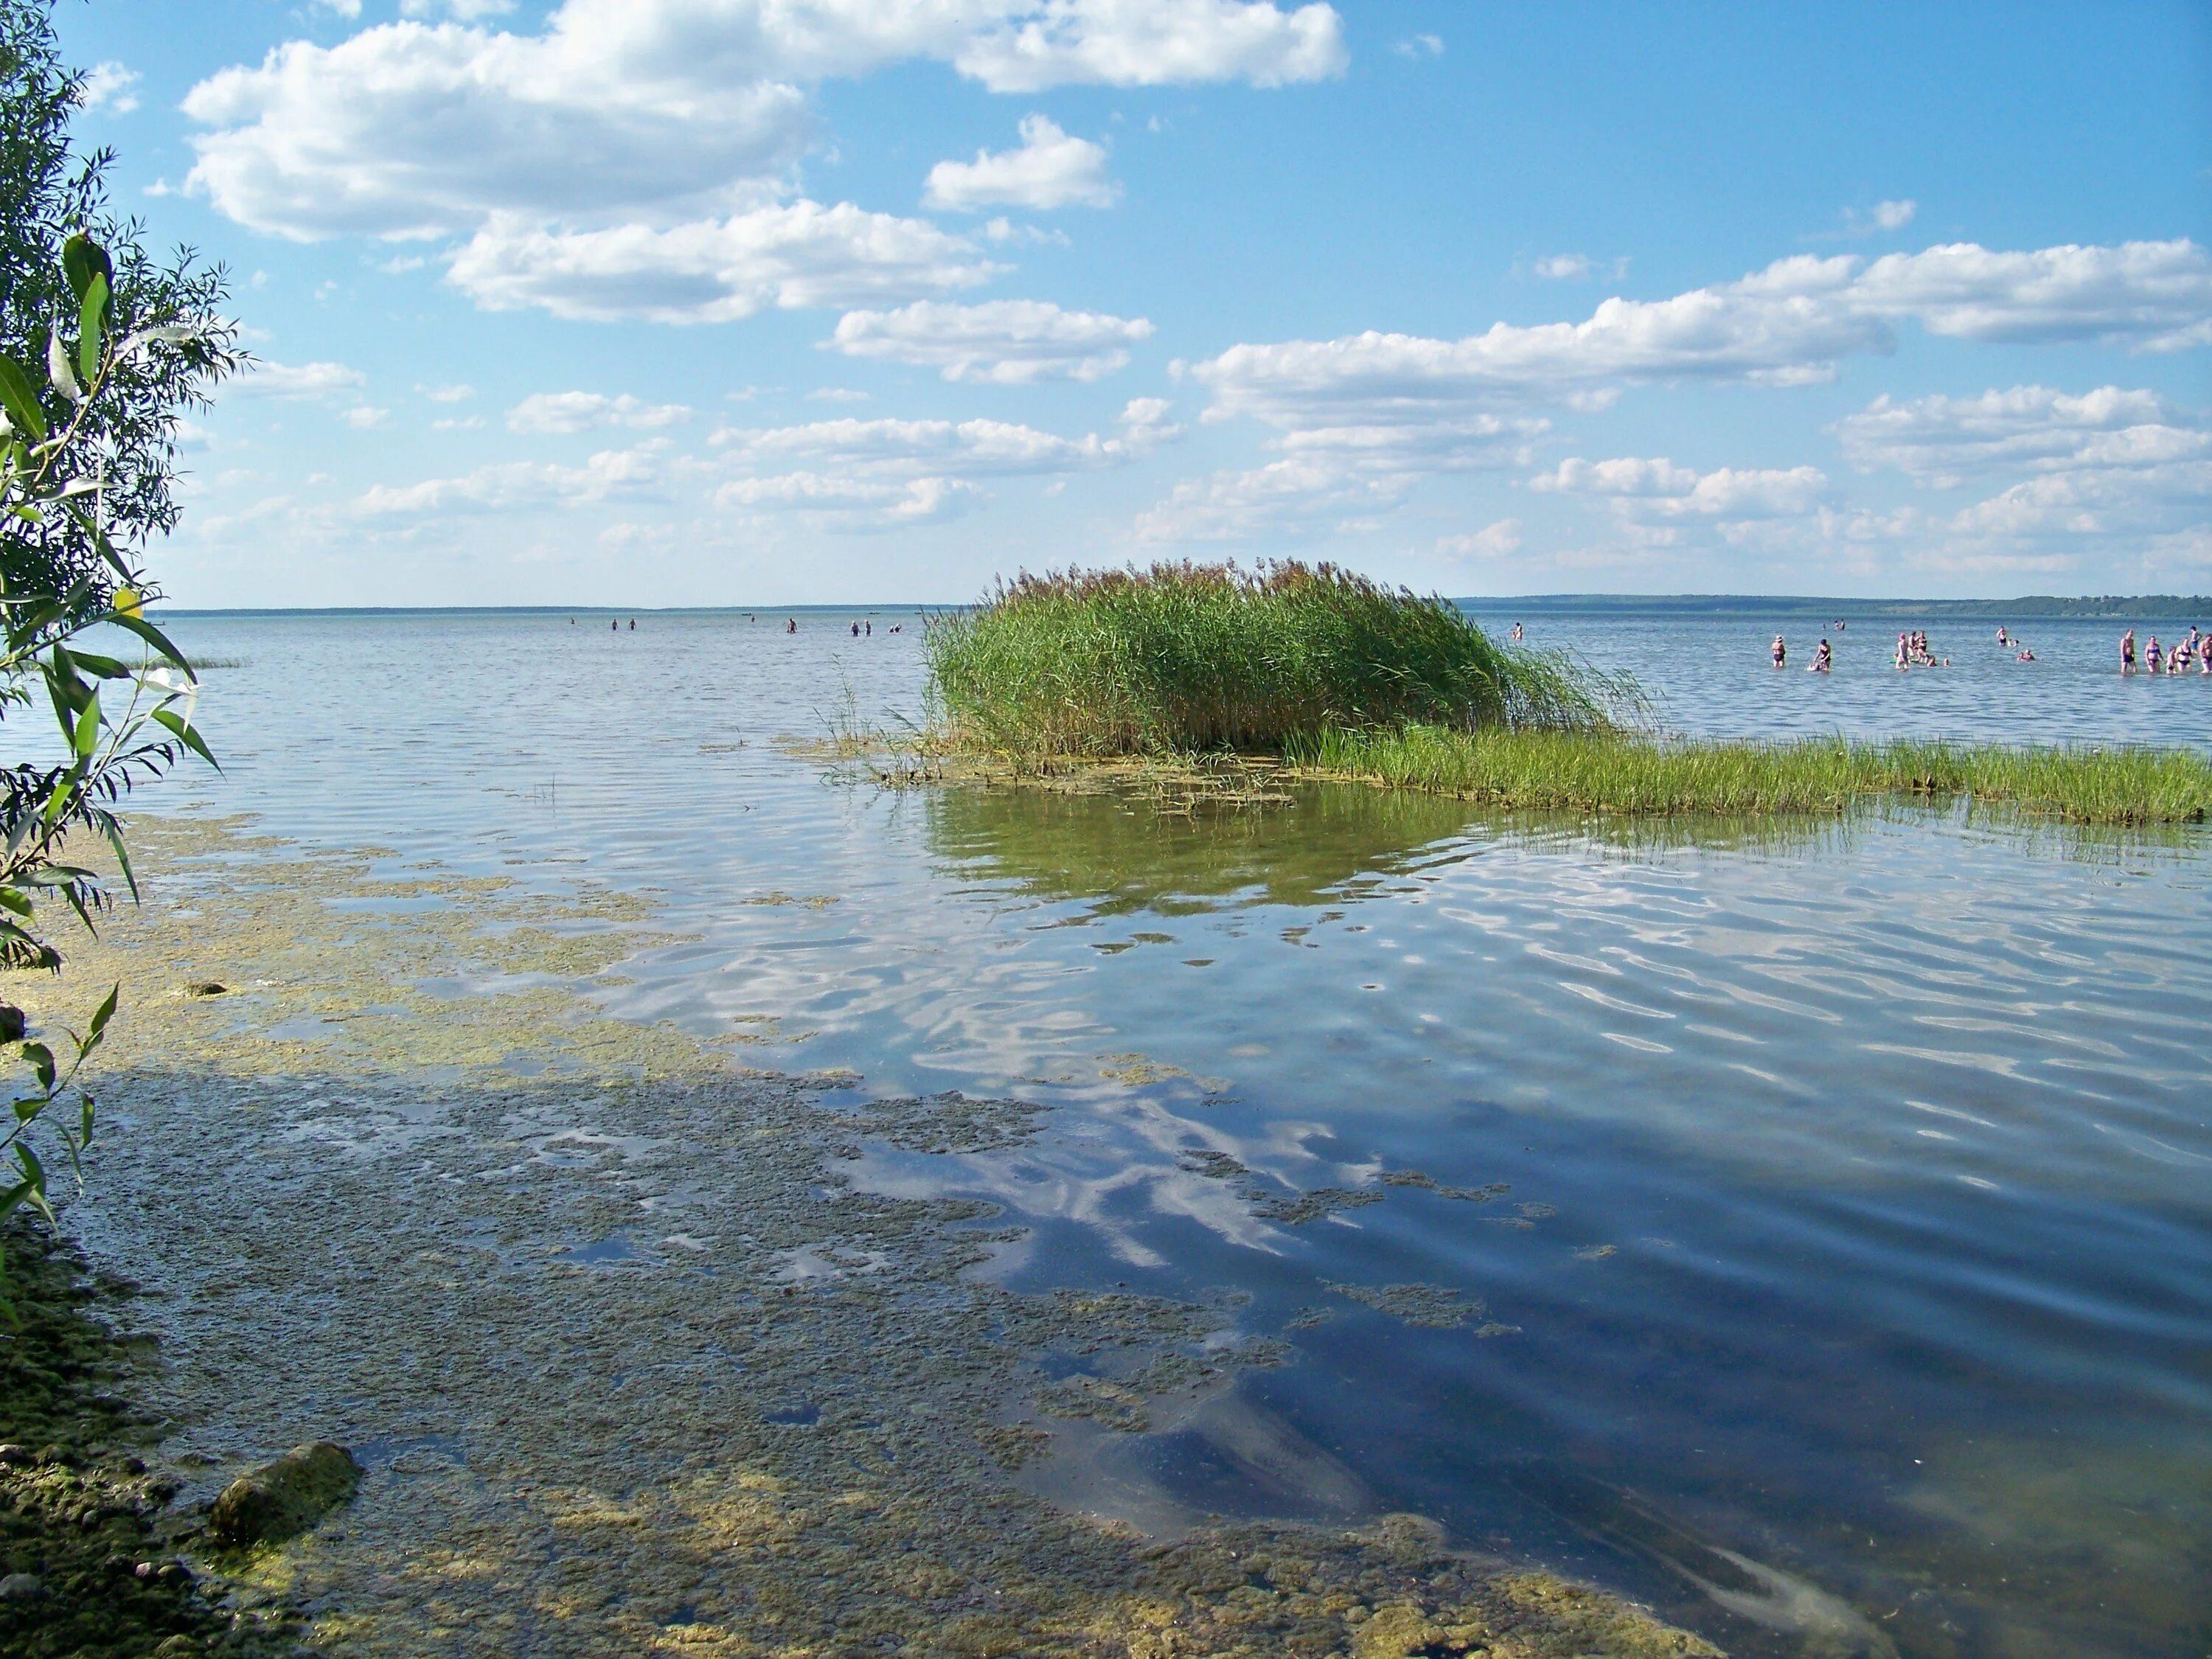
<point>1814,1224</point>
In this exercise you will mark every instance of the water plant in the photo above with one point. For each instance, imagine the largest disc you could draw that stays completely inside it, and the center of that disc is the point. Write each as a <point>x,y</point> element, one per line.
<point>1624,771</point>
<point>1185,658</point>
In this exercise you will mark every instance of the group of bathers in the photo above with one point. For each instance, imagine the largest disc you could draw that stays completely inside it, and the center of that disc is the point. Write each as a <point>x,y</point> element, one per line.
<point>2196,650</point>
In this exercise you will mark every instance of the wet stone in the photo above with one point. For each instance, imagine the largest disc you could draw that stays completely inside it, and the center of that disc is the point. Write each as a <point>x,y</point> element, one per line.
<point>285,1497</point>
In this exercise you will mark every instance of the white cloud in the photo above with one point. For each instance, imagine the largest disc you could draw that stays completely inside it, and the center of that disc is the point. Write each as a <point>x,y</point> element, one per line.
<point>1003,229</point>
<point>942,447</point>
<point>1563,267</point>
<point>1050,170</point>
<point>1419,46</point>
<point>2152,296</point>
<point>852,475</point>
<point>1787,324</point>
<point>1660,489</point>
<point>362,418</point>
<point>1005,342</point>
<point>854,505</point>
<point>800,254</point>
<point>302,381</point>
<point>447,394</point>
<point>463,11</point>
<point>1493,541</point>
<point>610,474</point>
<point>2108,466</point>
<point>582,411</point>
<point>658,109</point>
<point>836,394</point>
<point>1296,496</point>
<point>1942,440</point>
<point>1883,216</point>
<point>110,88</point>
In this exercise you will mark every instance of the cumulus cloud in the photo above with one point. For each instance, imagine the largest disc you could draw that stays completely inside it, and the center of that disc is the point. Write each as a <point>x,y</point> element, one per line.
<point>853,505</point>
<point>852,475</point>
<point>1944,441</point>
<point>1493,541</point>
<point>1005,341</point>
<point>1883,216</point>
<point>1789,324</point>
<point>464,11</point>
<point>2152,296</point>
<point>1051,169</point>
<point>2108,462</point>
<point>300,380</point>
<point>582,411</point>
<point>610,474</point>
<point>656,108</point>
<point>947,446</point>
<point>711,270</point>
<point>1295,496</point>
<point>110,88</point>
<point>1660,489</point>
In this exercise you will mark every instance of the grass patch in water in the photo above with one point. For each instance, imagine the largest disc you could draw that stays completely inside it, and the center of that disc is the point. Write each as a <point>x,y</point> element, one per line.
<point>1186,658</point>
<point>1627,772</point>
<point>1337,676</point>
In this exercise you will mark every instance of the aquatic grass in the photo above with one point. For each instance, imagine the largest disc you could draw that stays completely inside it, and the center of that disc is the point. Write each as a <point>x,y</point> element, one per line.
<point>1617,772</point>
<point>1189,659</point>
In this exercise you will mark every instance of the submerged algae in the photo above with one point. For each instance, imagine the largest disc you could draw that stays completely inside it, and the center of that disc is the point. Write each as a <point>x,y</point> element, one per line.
<point>677,1446</point>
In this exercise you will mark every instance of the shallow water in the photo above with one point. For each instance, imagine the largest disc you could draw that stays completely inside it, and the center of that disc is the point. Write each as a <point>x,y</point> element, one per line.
<point>1851,1286</point>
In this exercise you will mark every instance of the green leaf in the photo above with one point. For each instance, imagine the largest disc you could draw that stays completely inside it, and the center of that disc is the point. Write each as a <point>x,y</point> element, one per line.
<point>101,1015</point>
<point>83,259</point>
<point>183,729</point>
<point>23,403</point>
<point>155,637</point>
<point>89,317</point>
<point>88,728</point>
<point>34,1178</point>
<point>104,668</point>
<point>129,876</point>
<point>40,1060</point>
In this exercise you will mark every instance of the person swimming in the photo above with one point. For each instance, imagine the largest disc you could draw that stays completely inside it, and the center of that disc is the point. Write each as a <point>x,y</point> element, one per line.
<point>1781,652</point>
<point>2002,640</point>
<point>2151,656</point>
<point>2026,655</point>
<point>1822,659</point>
<point>2128,651</point>
<point>1516,632</point>
<point>791,625</point>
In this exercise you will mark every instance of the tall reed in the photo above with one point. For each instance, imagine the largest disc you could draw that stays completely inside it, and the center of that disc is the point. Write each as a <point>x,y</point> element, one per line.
<point>1189,656</point>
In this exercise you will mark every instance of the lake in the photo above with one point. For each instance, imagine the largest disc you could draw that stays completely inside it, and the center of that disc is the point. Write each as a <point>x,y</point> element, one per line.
<point>1806,1229</point>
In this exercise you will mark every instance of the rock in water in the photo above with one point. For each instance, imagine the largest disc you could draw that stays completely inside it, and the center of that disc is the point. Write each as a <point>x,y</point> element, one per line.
<point>287,1496</point>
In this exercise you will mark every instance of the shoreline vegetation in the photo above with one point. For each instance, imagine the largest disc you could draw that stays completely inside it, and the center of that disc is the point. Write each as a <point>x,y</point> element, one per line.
<point>1333,676</point>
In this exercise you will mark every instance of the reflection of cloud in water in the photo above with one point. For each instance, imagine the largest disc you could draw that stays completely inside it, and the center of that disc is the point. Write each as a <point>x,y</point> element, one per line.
<point>1125,1160</point>
<point>1220,1454</point>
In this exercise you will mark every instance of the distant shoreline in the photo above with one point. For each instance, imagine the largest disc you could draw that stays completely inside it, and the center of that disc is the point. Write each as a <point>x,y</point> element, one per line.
<point>2105,607</point>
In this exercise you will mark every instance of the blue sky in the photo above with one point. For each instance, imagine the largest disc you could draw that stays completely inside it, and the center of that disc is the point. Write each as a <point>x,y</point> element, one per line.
<point>765,301</point>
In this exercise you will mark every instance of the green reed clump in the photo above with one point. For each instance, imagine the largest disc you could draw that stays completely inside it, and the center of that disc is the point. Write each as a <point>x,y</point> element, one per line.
<point>1186,657</point>
<point>1620,772</point>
